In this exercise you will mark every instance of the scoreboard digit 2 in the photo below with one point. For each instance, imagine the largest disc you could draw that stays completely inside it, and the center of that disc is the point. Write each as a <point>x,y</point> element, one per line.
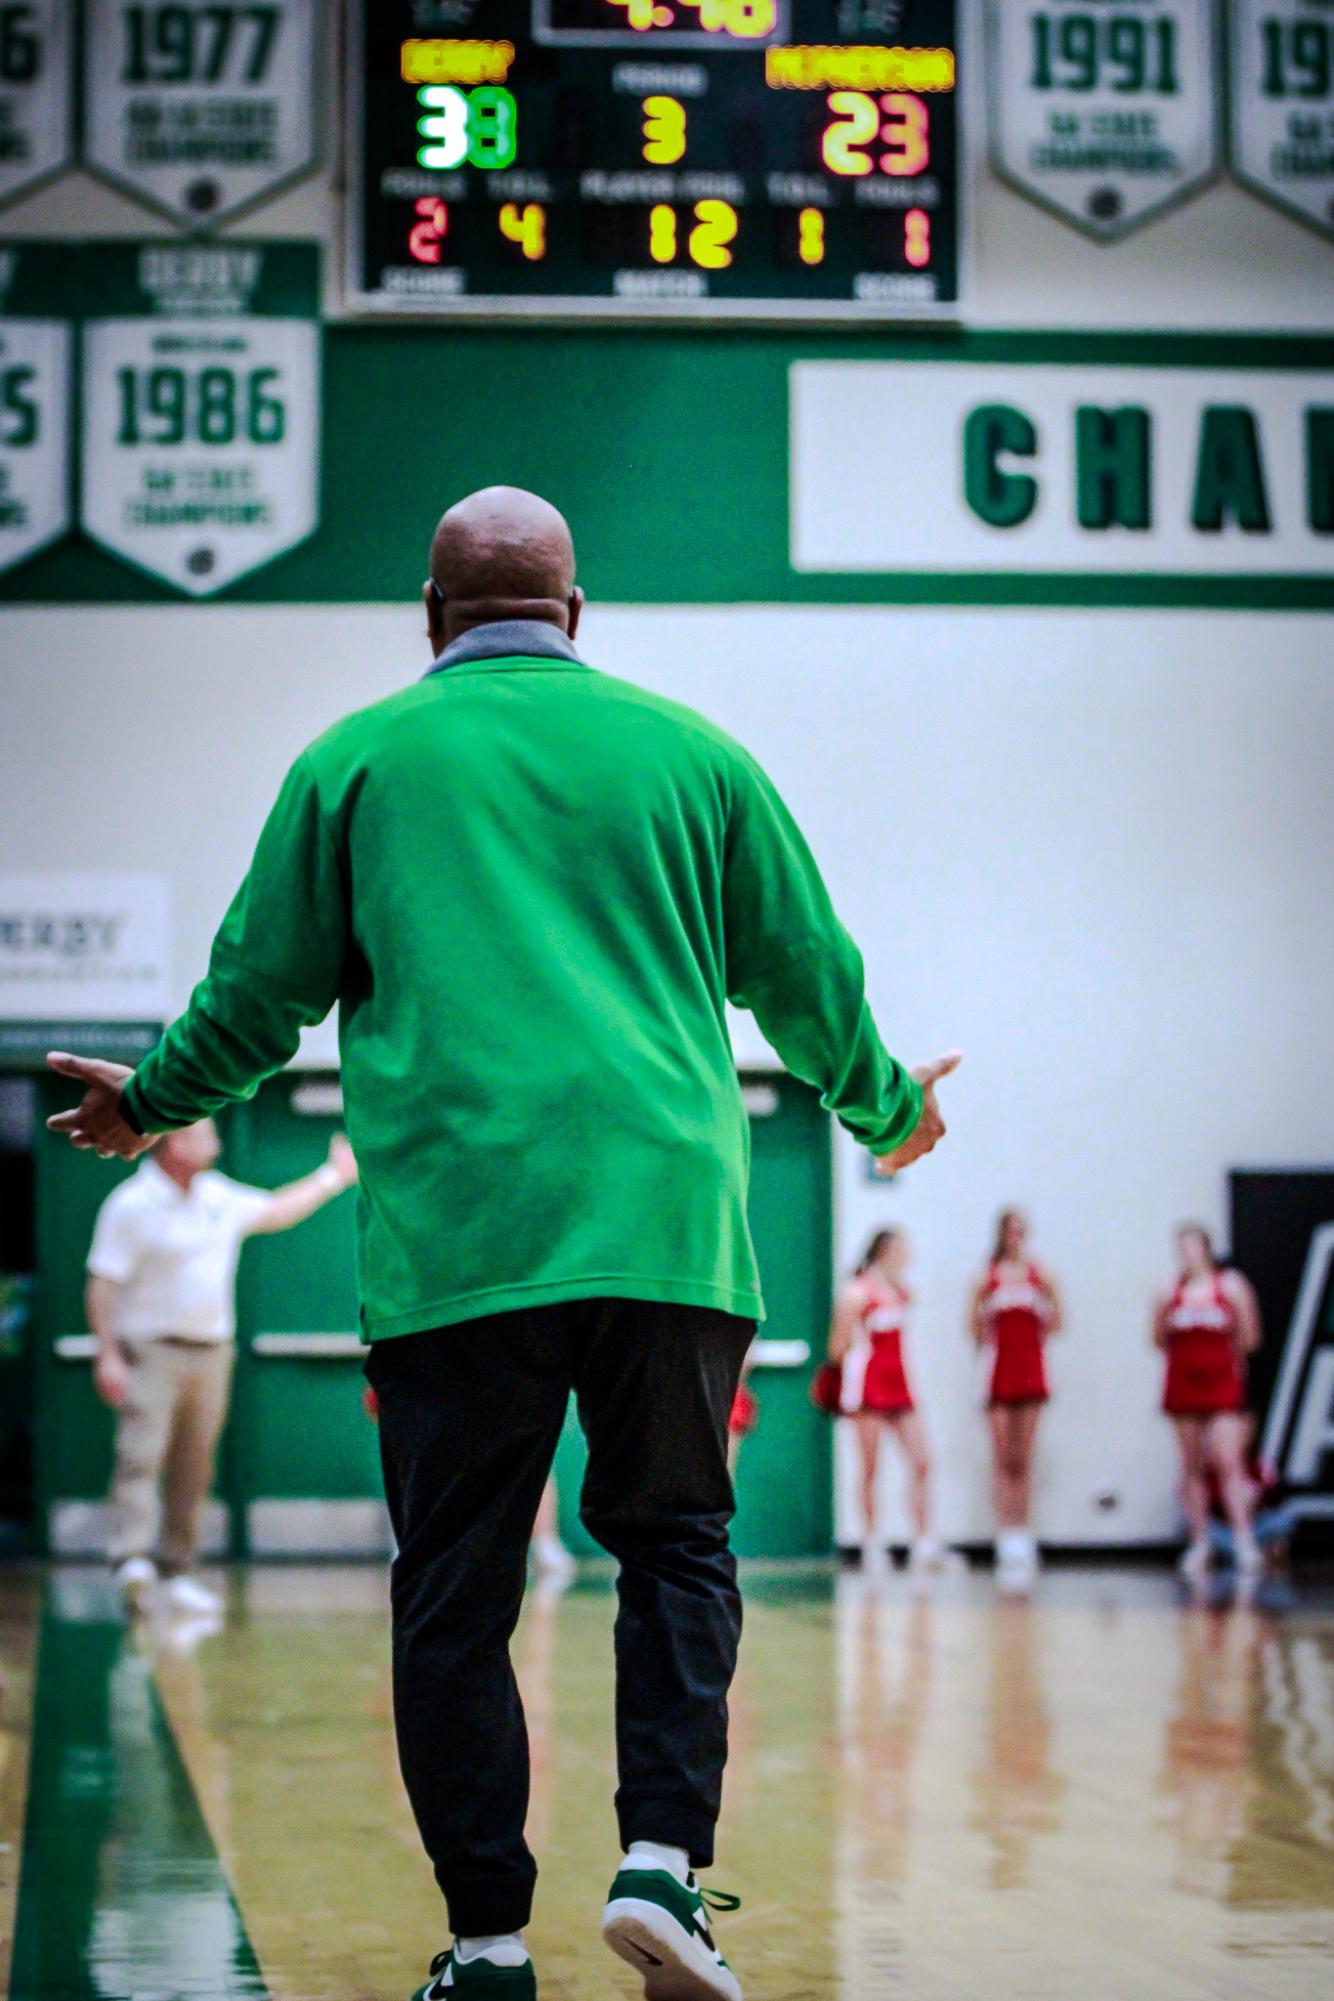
<point>756,159</point>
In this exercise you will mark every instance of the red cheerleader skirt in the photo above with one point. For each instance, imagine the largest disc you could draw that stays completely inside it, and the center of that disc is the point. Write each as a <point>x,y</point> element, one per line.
<point>885,1390</point>
<point>1019,1372</point>
<point>1204,1374</point>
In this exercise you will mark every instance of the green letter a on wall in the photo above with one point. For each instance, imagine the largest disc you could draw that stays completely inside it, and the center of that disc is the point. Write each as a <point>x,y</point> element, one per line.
<point>1229,473</point>
<point>1002,499</point>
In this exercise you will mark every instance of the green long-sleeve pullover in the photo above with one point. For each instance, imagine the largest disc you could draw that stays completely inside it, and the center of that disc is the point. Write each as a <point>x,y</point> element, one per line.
<point>530,888</point>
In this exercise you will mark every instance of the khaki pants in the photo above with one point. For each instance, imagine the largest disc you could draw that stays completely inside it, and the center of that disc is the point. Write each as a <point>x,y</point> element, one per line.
<point>167,1436</point>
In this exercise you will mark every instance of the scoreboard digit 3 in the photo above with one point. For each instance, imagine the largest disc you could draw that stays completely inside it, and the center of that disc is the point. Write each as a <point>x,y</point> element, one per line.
<point>753,159</point>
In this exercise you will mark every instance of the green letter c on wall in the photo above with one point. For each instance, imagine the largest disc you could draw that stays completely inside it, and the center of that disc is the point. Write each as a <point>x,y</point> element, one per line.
<point>1002,499</point>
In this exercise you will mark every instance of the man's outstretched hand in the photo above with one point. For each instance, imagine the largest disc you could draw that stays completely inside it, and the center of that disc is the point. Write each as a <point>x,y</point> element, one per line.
<point>97,1121</point>
<point>930,1127</point>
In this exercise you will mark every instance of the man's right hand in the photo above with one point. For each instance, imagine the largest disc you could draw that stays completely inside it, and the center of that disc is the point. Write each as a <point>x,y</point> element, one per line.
<point>111,1378</point>
<point>930,1128</point>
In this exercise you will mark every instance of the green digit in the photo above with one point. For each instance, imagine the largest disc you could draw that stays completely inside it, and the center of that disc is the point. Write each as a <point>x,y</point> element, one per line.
<point>1310,55</point>
<point>492,126</point>
<point>127,383</point>
<point>1042,78</point>
<point>266,416</point>
<point>166,398</point>
<point>1079,47</point>
<point>1167,57</point>
<point>217,406</point>
<point>20,49</point>
<point>1126,51</point>
<point>19,404</point>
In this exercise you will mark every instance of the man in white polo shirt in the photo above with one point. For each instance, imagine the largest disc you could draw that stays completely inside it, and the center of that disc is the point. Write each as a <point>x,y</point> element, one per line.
<point>161,1302</point>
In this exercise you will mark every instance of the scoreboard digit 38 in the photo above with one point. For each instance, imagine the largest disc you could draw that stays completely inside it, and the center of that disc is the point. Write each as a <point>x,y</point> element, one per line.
<point>755,159</point>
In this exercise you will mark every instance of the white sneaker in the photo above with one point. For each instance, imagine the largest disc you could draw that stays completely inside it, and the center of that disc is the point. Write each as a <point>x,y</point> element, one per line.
<point>187,1594</point>
<point>1195,1559</point>
<point>930,1555</point>
<point>137,1579</point>
<point>1250,1557</point>
<point>552,1559</point>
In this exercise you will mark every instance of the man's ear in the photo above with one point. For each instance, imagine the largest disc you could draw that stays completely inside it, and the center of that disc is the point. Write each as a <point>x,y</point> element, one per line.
<point>435,618</point>
<point>576,605</point>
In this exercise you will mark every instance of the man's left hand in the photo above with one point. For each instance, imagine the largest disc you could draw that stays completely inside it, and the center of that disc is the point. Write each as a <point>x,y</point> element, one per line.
<point>97,1121</point>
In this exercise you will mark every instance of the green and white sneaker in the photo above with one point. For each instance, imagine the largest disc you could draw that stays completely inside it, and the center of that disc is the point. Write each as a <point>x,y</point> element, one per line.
<point>661,1927</point>
<point>481,1978</point>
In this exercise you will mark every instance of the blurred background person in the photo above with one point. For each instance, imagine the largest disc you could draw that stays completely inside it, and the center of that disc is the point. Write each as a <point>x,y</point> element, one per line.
<point>161,1302</point>
<point>1207,1324</point>
<point>866,1347</point>
<point>1015,1307</point>
<point>550,1557</point>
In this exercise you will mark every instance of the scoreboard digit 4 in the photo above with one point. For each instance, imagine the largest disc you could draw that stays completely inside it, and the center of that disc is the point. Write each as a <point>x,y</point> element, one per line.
<point>760,159</point>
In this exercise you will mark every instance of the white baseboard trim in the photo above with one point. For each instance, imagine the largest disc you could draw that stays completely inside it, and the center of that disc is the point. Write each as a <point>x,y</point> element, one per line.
<point>319,1528</point>
<point>83,1528</point>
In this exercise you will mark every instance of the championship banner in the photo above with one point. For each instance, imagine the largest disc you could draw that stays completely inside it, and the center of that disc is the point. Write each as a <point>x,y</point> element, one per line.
<point>1283,1240</point>
<point>201,406</point>
<point>957,468</point>
<point>1104,114</point>
<point>1282,137</point>
<point>36,92</point>
<point>36,354</point>
<point>198,107</point>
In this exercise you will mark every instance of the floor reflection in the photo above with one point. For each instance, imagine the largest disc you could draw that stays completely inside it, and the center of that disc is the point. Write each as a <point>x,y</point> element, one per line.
<point>1101,1790</point>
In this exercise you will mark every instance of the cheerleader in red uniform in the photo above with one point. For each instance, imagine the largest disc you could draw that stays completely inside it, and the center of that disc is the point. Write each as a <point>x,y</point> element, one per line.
<point>1015,1306</point>
<point>866,1347</point>
<point>1207,1325</point>
<point>743,1417</point>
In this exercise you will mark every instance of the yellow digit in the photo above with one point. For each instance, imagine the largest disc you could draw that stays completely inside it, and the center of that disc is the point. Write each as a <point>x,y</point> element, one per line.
<point>810,236</point>
<point>749,19</point>
<point>664,130</point>
<point>662,234</point>
<point>856,124</point>
<point>715,226</point>
<point>907,134</point>
<point>526,226</point>
<point>638,13</point>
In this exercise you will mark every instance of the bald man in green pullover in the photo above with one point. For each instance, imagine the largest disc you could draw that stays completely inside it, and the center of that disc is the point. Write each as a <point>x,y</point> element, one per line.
<point>531,889</point>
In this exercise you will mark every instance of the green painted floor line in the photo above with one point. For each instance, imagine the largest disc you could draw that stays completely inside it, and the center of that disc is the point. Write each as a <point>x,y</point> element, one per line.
<point>122,1896</point>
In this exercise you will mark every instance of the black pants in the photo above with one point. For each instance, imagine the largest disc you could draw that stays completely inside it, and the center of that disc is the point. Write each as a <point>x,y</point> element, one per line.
<point>469,1420</point>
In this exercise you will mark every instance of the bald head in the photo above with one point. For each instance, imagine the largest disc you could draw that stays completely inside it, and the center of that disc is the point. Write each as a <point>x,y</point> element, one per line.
<point>501,553</point>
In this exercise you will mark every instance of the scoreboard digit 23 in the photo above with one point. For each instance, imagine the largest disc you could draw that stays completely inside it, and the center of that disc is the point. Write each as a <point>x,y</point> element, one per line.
<point>759,159</point>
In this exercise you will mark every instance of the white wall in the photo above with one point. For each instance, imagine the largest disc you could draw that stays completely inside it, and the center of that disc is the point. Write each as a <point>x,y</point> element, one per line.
<point>1095,851</point>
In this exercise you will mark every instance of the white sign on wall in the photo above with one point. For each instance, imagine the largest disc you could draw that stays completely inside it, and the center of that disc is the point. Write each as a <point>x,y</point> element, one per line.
<point>968,467</point>
<point>200,456</point>
<point>1282,89</point>
<point>36,92</point>
<point>83,947</point>
<point>201,108</point>
<point>35,362</point>
<point>1105,114</point>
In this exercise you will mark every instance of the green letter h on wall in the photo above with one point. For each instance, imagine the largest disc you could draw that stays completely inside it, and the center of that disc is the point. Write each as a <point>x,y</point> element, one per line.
<point>1112,467</point>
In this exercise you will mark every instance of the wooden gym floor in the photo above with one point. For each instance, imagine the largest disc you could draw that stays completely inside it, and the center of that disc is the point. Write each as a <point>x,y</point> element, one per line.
<point>1106,1793</point>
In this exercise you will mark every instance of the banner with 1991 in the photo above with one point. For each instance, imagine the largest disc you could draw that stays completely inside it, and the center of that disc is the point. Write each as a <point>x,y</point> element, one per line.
<point>201,392</point>
<point>1283,103</point>
<point>1106,114</point>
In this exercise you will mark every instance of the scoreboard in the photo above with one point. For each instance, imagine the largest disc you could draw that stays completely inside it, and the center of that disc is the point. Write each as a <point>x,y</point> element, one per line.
<point>758,159</point>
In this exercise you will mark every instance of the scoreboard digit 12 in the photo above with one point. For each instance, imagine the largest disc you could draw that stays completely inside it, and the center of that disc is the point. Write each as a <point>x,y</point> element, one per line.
<point>753,159</point>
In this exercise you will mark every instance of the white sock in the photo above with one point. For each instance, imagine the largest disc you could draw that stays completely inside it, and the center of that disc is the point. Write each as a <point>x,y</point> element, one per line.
<point>503,1949</point>
<point>656,1855</point>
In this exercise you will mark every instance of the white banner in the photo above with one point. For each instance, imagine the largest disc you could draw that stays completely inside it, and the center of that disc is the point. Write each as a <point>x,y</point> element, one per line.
<point>201,108</point>
<point>1104,113</point>
<point>1283,103</point>
<point>960,467</point>
<point>83,947</point>
<point>36,92</point>
<point>35,365</point>
<point>200,443</point>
